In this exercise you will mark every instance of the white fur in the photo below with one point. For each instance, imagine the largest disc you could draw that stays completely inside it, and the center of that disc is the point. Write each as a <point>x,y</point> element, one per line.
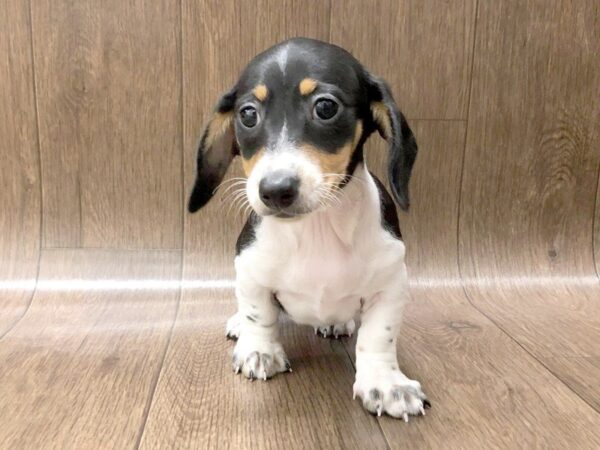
<point>325,268</point>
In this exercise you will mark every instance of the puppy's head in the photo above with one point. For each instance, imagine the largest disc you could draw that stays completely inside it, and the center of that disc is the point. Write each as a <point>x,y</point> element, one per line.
<point>299,116</point>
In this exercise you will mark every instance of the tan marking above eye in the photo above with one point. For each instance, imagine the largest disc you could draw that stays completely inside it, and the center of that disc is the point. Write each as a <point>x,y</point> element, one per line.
<point>249,163</point>
<point>219,124</point>
<point>381,115</point>
<point>332,164</point>
<point>307,86</point>
<point>260,92</point>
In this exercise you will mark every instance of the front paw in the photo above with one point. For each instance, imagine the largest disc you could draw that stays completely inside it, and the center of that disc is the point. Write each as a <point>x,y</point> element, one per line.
<point>390,392</point>
<point>256,358</point>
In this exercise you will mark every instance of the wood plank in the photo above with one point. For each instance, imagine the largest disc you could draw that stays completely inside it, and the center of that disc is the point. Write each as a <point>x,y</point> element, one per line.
<point>79,369</point>
<point>422,48</point>
<point>108,83</point>
<point>201,403</point>
<point>531,163</point>
<point>212,61</point>
<point>558,324</point>
<point>19,171</point>
<point>429,228</point>
<point>486,391</point>
<point>276,20</point>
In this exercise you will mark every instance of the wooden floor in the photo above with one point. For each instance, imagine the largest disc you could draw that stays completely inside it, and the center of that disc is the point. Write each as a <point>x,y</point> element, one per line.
<point>114,351</point>
<point>113,301</point>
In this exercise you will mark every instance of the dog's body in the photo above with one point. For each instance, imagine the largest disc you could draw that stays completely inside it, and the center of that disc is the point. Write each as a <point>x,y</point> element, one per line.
<point>323,241</point>
<point>325,266</point>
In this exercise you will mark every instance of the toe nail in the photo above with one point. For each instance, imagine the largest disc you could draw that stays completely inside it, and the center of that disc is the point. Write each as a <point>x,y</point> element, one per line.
<point>251,375</point>
<point>265,375</point>
<point>405,417</point>
<point>288,367</point>
<point>426,404</point>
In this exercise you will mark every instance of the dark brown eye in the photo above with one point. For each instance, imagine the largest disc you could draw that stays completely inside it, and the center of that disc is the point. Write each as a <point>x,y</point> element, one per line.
<point>249,116</point>
<point>325,108</point>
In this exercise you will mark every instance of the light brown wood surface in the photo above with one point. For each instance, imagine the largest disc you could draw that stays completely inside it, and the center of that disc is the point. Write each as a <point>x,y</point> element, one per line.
<point>119,341</point>
<point>79,370</point>
<point>422,48</point>
<point>111,148</point>
<point>20,209</point>
<point>531,163</point>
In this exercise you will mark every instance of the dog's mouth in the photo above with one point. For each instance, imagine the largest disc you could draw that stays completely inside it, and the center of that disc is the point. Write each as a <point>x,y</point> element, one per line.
<point>287,214</point>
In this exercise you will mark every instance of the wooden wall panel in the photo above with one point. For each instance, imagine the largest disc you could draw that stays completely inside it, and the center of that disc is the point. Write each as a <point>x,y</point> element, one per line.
<point>276,20</point>
<point>531,163</point>
<point>429,228</point>
<point>20,197</point>
<point>422,48</point>
<point>108,85</point>
<point>212,61</point>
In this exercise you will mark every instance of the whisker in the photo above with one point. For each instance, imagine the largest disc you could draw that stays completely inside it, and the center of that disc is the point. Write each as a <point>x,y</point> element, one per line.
<point>229,180</point>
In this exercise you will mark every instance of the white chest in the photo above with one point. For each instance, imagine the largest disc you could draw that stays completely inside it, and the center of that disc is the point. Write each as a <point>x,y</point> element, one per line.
<point>319,272</point>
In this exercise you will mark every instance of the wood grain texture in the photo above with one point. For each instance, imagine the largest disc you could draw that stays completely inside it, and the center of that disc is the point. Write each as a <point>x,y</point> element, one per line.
<point>20,212</point>
<point>78,370</point>
<point>531,161</point>
<point>431,249</point>
<point>211,67</point>
<point>108,85</point>
<point>201,403</point>
<point>422,48</point>
<point>531,164</point>
<point>267,22</point>
<point>581,374</point>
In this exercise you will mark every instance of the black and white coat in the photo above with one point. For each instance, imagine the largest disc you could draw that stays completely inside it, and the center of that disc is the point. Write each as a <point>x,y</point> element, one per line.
<point>322,242</point>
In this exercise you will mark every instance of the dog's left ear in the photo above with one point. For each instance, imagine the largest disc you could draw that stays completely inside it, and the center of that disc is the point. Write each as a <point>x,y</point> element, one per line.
<point>216,150</point>
<point>392,126</point>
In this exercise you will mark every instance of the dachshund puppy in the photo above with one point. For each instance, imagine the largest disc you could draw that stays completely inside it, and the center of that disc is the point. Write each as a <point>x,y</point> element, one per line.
<point>322,242</point>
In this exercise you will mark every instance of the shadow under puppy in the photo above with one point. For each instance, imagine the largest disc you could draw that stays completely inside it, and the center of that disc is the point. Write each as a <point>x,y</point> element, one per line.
<point>323,240</point>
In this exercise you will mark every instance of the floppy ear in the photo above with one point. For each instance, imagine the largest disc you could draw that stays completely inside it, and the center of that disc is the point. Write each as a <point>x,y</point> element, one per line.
<point>216,150</point>
<point>392,126</point>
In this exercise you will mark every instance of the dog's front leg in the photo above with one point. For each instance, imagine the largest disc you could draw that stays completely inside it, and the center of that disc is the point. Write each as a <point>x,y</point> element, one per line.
<point>258,353</point>
<point>379,381</point>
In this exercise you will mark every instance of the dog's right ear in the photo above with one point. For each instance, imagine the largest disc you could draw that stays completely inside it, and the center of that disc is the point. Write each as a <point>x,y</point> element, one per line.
<point>216,150</point>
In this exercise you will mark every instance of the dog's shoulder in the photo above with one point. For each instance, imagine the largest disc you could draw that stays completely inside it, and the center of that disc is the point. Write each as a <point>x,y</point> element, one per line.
<point>248,234</point>
<point>389,215</point>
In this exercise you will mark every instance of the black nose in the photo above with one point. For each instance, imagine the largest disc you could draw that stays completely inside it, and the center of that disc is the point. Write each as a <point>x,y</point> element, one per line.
<point>278,190</point>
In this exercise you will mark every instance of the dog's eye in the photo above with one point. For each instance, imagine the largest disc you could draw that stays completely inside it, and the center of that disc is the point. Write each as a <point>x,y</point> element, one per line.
<point>325,108</point>
<point>249,116</point>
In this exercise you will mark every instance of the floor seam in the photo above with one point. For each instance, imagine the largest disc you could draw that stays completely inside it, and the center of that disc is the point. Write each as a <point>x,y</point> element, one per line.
<point>156,378</point>
<point>530,353</point>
